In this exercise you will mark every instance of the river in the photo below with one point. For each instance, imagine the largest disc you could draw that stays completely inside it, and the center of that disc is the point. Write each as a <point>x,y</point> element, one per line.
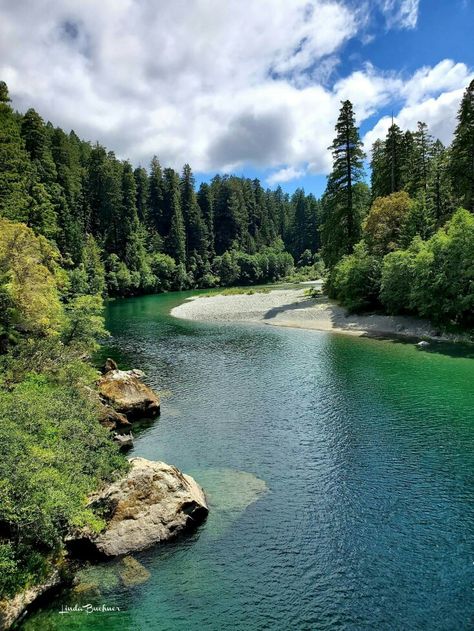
<point>339,471</point>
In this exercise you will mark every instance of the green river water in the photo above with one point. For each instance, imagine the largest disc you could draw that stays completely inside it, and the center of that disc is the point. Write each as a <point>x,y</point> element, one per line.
<point>339,472</point>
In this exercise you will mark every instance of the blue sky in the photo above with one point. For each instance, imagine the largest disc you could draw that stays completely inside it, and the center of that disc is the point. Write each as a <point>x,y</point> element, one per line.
<point>237,86</point>
<point>444,30</point>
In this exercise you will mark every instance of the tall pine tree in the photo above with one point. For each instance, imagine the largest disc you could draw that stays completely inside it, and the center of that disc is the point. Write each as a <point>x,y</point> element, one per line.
<point>341,229</point>
<point>462,151</point>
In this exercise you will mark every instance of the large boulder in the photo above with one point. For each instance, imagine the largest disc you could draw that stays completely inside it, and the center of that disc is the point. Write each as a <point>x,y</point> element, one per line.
<point>127,394</point>
<point>153,503</point>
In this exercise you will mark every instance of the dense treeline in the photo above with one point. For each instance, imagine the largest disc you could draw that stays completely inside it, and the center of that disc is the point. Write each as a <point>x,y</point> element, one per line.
<point>407,245</point>
<point>124,231</point>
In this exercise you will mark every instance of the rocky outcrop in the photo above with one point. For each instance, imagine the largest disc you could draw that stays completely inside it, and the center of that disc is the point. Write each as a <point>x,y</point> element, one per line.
<point>153,503</point>
<point>112,419</point>
<point>11,610</point>
<point>124,391</point>
<point>109,365</point>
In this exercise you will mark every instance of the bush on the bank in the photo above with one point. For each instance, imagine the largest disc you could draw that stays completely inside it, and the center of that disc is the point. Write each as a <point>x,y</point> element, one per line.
<point>434,278</point>
<point>398,271</point>
<point>54,453</point>
<point>355,280</point>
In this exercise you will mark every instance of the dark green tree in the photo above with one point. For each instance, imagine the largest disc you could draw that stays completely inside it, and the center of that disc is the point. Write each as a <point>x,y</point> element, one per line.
<point>196,242</point>
<point>15,166</point>
<point>341,229</point>
<point>204,199</point>
<point>462,151</point>
<point>156,214</point>
<point>173,223</point>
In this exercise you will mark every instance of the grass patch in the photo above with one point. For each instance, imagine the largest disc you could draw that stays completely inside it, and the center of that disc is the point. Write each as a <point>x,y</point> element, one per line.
<point>237,291</point>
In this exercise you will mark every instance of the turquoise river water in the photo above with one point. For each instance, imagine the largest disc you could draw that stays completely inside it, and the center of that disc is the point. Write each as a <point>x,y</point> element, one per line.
<point>339,472</point>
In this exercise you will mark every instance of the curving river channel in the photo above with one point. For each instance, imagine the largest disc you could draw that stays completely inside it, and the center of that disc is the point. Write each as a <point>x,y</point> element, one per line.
<point>339,471</point>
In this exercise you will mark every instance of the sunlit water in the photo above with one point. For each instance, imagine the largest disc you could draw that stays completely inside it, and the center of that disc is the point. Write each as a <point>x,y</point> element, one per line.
<point>339,471</point>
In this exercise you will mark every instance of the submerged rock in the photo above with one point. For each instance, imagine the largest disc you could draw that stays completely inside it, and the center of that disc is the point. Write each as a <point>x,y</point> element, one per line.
<point>132,572</point>
<point>153,503</point>
<point>123,390</point>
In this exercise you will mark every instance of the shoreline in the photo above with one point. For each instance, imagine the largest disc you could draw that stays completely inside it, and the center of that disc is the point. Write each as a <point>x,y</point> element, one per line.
<point>290,308</point>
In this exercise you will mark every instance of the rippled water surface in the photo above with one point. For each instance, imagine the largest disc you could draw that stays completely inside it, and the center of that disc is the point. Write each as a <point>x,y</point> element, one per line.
<point>340,474</point>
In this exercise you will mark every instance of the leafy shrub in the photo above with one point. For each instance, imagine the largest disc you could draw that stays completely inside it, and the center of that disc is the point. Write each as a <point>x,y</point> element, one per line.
<point>355,280</point>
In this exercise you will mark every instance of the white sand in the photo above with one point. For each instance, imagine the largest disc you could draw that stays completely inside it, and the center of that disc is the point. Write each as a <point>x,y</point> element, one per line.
<point>291,308</point>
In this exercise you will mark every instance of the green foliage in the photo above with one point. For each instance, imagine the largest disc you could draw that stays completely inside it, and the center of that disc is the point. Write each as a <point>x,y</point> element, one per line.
<point>15,167</point>
<point>398,273</point>
<point>384,225</point>
<point>93,265</point>
<point>237,267</point>
<point>313,270</point>
<point>164,269</point>
<point>54,454</point>
<point>355,280</point>
<point>434,278</point>
<point>84,323</point>
<point>237,291</point>
<point>28,267</point>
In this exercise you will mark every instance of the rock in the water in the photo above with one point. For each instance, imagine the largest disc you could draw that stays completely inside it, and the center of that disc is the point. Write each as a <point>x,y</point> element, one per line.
<point>423,344</point>
<point>109,365</point>
<point>153,503</point>
<point>112,419</point>
<point>132,572</point>
<point>123,390</point>
<point>124,440</point>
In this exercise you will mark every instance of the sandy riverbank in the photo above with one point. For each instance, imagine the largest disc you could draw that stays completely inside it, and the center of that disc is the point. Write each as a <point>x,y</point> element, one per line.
<point>291,308</point>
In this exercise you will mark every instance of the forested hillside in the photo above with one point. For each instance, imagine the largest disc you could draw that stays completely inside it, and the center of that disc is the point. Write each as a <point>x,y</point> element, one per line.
<point>121,230</point>
<point>126,231</point>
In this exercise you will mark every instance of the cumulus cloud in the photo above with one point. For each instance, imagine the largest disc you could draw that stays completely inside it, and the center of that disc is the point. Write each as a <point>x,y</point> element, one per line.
<point>215,84</point>
<point>433,96</point>
<point>285,175</point>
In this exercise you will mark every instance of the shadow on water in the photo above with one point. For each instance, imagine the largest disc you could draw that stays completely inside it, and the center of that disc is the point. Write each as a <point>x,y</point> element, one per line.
<point>458,350</point>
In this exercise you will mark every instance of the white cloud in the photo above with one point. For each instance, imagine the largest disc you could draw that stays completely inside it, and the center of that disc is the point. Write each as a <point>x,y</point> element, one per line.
<point>445,76</point>
<point>215,84</point>
<point>285,175</point>
<point>433,96</point>
<point>400,13</point>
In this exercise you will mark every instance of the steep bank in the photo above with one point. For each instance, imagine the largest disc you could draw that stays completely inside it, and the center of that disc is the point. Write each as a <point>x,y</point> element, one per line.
<point>291,308</point>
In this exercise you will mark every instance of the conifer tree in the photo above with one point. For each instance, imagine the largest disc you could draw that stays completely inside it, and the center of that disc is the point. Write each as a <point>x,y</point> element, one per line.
<point>341,220</point>
<point>423,148</point>
<point>440,198</point>
<point>204,199</point>
<point>173,223</point>
<point>143,193</point>
<point>395,149</point>
<point>193,221</point>
<point>156,198</point>
<point>462,151</point>
<point>15,167</point>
